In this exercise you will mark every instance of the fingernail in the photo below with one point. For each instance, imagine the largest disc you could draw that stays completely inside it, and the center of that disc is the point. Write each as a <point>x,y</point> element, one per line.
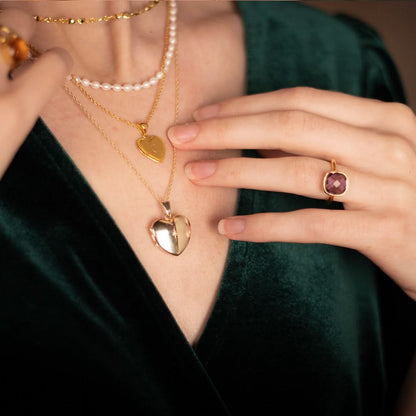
<point>184,133</point>
<point>210,111</point>
<point>231,226</point>
<point>200,170</point>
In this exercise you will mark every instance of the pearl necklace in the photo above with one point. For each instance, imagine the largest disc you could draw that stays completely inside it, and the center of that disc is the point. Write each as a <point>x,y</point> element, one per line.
<point>154,80</point>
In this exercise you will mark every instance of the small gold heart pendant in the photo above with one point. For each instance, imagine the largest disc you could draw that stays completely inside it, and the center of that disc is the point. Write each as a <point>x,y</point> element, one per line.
<point>152,147</point>
<point>172,233</point>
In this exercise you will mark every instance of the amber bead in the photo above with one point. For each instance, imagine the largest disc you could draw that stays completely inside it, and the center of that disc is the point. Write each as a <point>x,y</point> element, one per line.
<point>21,50</point>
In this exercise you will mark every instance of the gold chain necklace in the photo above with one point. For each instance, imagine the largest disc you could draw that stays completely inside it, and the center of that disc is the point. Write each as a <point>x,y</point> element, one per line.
<point>151,146</point>
<point>173,232</point>
<point>83,20</point>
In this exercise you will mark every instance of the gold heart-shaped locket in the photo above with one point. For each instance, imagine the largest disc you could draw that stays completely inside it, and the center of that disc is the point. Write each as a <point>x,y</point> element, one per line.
<point>152,147</point>
<point>172,233</point>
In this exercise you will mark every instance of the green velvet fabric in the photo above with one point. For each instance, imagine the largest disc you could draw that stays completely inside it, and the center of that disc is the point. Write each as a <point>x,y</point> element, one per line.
<point>296,329</point>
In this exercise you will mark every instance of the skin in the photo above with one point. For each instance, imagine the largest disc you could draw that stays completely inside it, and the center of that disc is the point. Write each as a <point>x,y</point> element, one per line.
<point>312,127</point>
<point>191,287</point>
<point>298,130</point>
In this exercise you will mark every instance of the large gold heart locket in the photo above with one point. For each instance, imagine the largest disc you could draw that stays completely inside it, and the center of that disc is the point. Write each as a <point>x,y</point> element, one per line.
<point>172,233</point>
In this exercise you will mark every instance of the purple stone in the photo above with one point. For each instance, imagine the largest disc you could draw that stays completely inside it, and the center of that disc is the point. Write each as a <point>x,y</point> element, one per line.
<point>336,183</point>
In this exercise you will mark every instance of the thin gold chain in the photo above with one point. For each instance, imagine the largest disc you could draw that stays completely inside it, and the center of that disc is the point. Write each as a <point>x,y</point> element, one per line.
<point>95,123</point>
<point>83,20</point>
<point>158,94</point>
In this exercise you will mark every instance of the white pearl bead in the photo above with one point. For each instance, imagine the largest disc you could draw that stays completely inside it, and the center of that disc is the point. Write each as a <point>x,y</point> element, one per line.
<point>159,75</point>
<point>95,85</point>
<point>146,84</point>
<point>85,82</point>
<point>137,87</point>
<point>153,81</point>
<point>172,18</point>
<point>172,41</point>
<point>167,63</point>
<point>116,87</point>
<point>106,87</point>
<point>127,87</point>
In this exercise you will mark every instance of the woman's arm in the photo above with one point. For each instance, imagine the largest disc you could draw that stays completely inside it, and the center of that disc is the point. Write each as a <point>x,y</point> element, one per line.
<point>407,400</point>
<point>22,99</point>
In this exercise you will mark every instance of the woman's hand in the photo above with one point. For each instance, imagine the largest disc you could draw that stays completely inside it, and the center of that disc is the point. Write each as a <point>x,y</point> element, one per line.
<point>373,143</point>
<point>22,99</point>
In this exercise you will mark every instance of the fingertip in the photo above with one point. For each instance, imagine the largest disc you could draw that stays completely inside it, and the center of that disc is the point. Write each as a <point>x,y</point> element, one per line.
<point>207,112</point>
<point>221,229</point>
<point>200,170</point>
<point>195,115</point>
<point>61,56</point>
<point>183,134</point>
<point>35,85</point>
<point>56,63</point>
<point>230,227</point>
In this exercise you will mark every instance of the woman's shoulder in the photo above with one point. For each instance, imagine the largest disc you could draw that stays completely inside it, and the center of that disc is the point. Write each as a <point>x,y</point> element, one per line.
<point>287,20</point>
<point>291,44</point>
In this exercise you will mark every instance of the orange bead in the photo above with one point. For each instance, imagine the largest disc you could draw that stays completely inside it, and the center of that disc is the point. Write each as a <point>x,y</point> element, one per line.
<point>21,50</point>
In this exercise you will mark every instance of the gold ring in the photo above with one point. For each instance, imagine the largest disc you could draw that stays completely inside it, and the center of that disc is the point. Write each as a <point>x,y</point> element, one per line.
<point>14,49</point>
<point>335,183</point>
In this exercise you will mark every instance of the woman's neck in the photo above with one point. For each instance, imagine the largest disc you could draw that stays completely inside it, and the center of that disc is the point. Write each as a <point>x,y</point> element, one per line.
<point>109,51</point>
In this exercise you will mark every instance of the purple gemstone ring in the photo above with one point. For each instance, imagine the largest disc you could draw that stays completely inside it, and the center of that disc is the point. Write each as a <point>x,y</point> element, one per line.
<point>335,182</point>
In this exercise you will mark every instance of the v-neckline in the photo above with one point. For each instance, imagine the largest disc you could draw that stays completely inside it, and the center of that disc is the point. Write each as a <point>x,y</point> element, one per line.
<point>226,296</point>
<point>219,315</point>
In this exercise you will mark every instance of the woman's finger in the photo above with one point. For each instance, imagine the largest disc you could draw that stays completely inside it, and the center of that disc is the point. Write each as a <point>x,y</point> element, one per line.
<point>20,23</point>
<point>25,98</point>
<point>305,134</point>
<point>49,72</point>
<point>335,227</point>
<point>302,176</point>
<point>376,235</point>
<point>361,112</point>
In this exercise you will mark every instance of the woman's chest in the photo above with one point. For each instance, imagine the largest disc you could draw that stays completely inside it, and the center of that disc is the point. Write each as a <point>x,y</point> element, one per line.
<point>131,187</point>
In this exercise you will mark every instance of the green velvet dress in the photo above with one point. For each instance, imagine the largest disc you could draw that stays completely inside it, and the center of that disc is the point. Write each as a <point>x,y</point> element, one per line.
<point>296,329</point>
